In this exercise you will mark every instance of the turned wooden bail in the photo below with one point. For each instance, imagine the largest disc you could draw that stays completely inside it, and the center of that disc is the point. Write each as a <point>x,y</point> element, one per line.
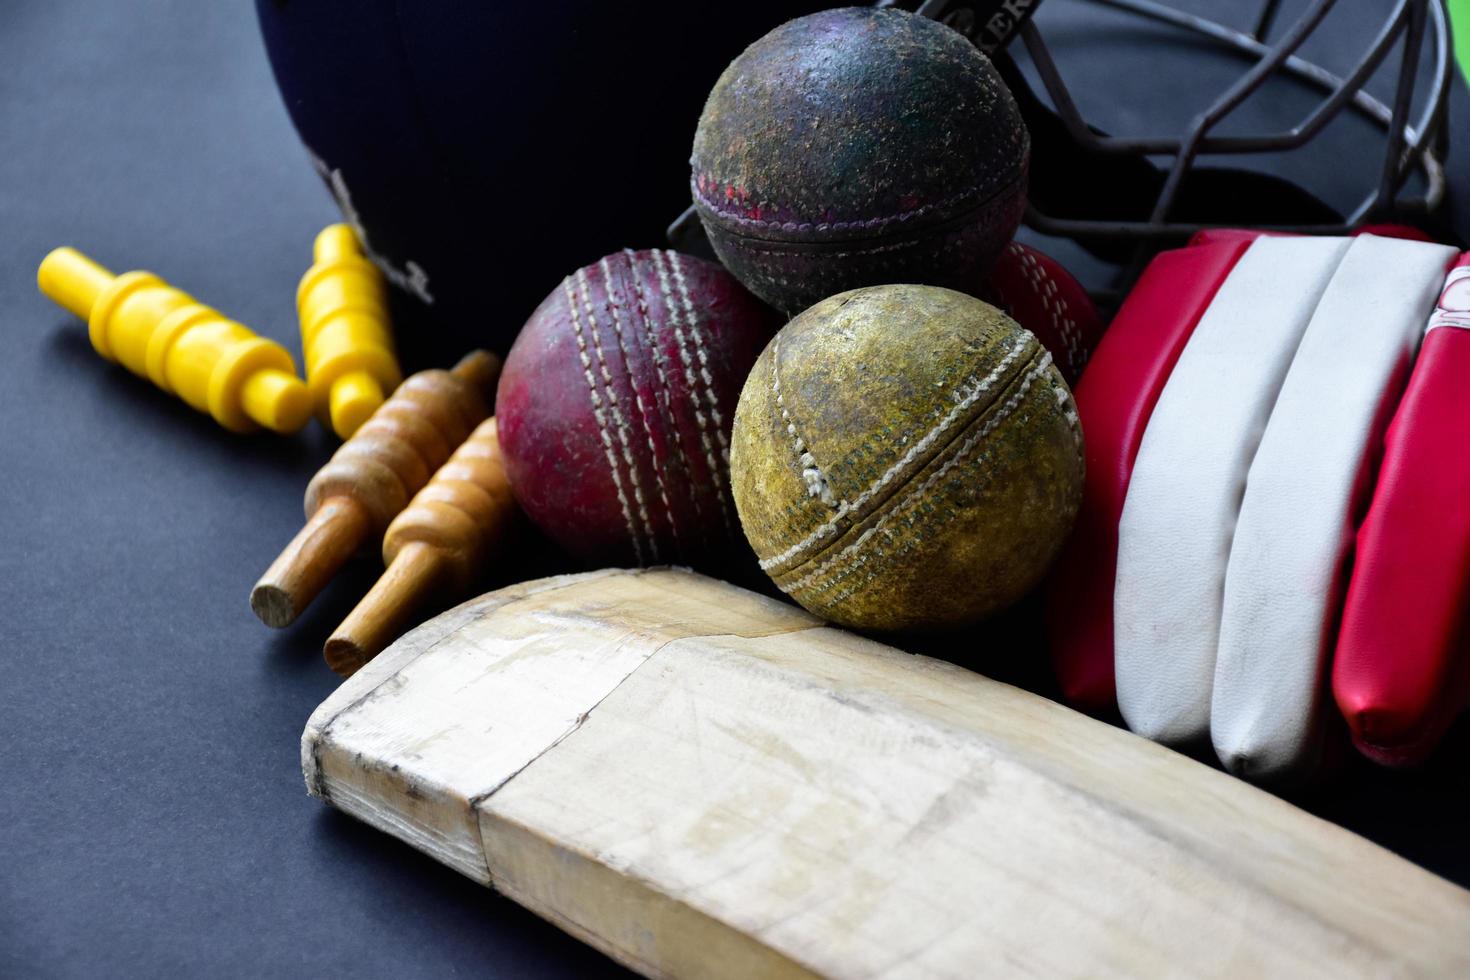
<point>440,542</point>
<point>372,477</point>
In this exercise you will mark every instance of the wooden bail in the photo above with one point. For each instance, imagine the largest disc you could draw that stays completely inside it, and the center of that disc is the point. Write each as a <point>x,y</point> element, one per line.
<point>440,542</point>
<point>371,478</point>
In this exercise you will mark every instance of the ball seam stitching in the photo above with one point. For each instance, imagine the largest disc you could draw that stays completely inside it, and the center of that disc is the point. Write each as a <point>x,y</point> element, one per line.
<point>922,445</point>
<point>619,420</point>
<point>852,224</point>
<point>676,435</point>
<point>658,479</point>
<point>951,240</point>
<point>817,483</point>
<point>1046,289</point>
<point>964,449</point>
<point>691,378</point>
<point>601,417</point>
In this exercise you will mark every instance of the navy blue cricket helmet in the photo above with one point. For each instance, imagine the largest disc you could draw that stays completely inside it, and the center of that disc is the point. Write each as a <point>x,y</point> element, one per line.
<point>485,149</point>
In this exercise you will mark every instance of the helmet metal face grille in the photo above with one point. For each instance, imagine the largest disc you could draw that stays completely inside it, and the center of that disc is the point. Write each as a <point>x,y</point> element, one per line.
<point>1411,144</point>
<point>1121,198</point>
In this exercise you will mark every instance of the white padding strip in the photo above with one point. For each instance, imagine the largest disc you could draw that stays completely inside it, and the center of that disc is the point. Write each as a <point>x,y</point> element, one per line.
<point>1283,586</point>
<point>1179,517</point>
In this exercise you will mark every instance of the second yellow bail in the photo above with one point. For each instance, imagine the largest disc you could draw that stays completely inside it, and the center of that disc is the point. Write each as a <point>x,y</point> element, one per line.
<point>342,301</point>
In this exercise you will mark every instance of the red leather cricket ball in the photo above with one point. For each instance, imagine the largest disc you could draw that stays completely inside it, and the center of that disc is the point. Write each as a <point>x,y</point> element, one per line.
<point>615,407</point>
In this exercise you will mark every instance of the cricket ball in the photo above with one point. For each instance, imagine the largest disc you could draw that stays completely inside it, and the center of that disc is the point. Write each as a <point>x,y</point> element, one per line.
<point>615,406</point>
<point>1037,292</point>
<point>859,146</point>
<point>905,458</point>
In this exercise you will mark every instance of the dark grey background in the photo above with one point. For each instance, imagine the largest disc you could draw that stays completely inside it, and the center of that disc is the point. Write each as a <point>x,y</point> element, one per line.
<point>152,814</point>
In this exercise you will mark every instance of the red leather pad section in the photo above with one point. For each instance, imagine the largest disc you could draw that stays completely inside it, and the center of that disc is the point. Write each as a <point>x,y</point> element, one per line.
<point>1225,236</point>
<point>1400,670</point>
<point>1115,398</point>
<point>1215,236</point>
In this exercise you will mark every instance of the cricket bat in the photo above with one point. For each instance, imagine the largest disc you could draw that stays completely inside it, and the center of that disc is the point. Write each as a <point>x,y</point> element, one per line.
<point>704,782</point>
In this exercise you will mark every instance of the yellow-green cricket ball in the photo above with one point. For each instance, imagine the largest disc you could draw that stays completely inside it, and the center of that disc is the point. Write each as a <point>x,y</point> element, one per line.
<point>905,458</point>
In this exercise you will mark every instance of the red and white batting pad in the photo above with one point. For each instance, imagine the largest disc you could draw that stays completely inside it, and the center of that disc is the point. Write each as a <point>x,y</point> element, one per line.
<point>1177,524</point>
<point>1114,400</point>
<point>1211,236</point>
<point>1048,300</point>
<point>1288,557</point>
<point>1402,662</point>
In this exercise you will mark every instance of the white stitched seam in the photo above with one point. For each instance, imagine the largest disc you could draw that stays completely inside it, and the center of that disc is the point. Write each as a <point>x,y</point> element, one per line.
<point>1069,412</point>
<point>671,309</point>
<point>963,450</point>
<point>817,484</point>
<point>961,406</point>
<point>621,422</point>
<point>658,479</point>
<point>698,184</point>
<point>701,349</point>
<point>675,434</point>
<point>601,416</point>
<point>1046,289</point>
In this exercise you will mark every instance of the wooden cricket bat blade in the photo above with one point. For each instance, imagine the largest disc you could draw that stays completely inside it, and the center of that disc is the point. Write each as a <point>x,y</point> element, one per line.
<point>703,782</point>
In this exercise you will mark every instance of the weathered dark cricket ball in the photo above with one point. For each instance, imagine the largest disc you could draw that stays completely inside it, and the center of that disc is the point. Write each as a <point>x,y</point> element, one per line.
<point>859,146</point>
<point>615,406</point>
<point>905,458</point>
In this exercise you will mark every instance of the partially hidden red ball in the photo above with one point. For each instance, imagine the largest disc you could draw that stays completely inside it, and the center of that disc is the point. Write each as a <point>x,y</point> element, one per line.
<point>1046,299</point>
<point>615,406</point>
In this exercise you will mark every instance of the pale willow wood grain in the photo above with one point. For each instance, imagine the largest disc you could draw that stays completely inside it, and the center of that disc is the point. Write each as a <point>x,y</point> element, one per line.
<point>704,782</point>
